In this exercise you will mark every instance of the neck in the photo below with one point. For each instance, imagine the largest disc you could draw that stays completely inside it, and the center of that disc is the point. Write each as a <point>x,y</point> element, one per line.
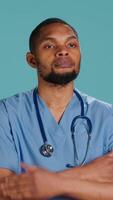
<point>55,96</point>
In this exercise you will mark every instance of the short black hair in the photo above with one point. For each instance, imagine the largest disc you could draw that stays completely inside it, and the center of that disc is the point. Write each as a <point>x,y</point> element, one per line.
<point>36,32</point>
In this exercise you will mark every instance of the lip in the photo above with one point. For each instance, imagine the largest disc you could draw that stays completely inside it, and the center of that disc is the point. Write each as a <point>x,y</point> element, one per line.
<point>63,63</point>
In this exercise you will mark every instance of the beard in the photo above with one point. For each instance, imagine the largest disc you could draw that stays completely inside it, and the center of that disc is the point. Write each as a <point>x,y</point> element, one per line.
<point>61,79</point>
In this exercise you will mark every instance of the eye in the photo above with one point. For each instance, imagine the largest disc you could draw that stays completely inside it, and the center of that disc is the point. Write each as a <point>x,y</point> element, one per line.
<point>72,45</point>
<point>49,46</point>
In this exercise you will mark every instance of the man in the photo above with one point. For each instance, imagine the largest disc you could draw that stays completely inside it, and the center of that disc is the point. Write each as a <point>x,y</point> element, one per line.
<point>49,136</point>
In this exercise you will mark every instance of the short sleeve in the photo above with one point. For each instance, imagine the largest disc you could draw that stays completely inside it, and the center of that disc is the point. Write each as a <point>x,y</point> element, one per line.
<point>109,136</point>
<point>8,153</point>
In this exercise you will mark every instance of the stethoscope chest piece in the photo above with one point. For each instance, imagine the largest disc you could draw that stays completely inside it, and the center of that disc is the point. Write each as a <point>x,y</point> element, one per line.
<point>46,150</point>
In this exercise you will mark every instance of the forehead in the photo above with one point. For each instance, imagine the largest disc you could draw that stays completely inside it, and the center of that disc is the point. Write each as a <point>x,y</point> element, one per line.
<point>56,30</point>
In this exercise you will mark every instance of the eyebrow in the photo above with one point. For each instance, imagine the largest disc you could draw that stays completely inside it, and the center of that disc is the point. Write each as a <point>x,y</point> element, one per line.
<point>72,37</point>
<point>53,38</point>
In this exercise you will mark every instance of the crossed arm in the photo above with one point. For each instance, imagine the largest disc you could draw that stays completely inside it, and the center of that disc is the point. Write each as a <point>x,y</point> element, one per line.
<point>92,181</point>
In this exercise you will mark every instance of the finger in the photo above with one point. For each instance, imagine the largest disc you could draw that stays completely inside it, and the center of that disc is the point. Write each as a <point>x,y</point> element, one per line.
<point>110,153</point>
<point>28,168</point>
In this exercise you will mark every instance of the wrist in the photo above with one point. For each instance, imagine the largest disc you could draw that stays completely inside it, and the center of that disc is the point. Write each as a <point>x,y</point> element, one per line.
<point>68,187</point>
<point>59,186</point>
<point>76,172</point>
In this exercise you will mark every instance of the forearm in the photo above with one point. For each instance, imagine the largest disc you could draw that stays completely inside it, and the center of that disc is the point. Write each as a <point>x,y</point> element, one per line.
<point>85,190</point>
<point>75,172</point>
<point>93,171</point>
<point>38,183</point>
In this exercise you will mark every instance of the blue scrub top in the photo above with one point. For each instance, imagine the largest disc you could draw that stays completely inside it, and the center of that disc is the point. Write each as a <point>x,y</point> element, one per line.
<point>21,139</point>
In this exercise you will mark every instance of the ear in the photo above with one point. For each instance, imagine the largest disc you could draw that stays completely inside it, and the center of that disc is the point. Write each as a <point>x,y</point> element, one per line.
<point>31,60</point>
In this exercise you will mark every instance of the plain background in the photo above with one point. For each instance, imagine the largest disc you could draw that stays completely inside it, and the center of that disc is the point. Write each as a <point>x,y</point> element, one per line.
<point>93,20</point>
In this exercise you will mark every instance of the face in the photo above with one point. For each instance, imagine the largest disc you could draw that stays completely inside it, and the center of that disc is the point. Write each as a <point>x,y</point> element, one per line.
<point>57,54</point>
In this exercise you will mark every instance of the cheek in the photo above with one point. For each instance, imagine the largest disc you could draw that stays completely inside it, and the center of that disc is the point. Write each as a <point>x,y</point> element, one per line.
<point>45,59</point>
<point>77,57</point>
<point>44,64</point>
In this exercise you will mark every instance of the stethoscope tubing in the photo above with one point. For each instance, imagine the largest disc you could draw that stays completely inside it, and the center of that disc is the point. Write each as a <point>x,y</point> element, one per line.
<point>47,149</point>
<point>39,116</point>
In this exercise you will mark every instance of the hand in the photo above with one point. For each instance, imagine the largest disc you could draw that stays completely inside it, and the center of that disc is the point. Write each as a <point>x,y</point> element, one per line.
<point>35,184</point>
<point>99,170</point>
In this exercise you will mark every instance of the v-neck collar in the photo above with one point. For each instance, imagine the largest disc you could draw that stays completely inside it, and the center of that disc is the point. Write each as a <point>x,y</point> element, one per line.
<point>63,127</point>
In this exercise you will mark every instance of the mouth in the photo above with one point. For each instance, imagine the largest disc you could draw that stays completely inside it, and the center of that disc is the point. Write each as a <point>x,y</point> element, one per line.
<point>63,63</point>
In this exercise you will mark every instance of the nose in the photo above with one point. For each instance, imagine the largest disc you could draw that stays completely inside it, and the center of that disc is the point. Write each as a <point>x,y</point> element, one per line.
<point>62,52</point>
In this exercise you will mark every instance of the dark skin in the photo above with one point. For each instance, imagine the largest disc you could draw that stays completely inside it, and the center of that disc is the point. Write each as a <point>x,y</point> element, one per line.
<point>55,47</point>
<point>58,50</point>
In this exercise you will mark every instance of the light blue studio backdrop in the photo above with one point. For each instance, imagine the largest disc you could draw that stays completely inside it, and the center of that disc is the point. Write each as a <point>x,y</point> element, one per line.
<point>94,23</point>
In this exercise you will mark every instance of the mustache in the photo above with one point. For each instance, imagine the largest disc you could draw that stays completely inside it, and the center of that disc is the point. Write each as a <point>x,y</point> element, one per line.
<point>64,62</point>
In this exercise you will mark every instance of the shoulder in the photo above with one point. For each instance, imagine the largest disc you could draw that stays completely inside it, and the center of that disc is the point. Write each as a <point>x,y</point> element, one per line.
<point>95,104</point>
<point>16,101</point>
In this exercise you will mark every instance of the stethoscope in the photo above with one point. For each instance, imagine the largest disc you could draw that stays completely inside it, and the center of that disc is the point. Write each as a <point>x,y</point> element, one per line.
<point>47,149</point>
